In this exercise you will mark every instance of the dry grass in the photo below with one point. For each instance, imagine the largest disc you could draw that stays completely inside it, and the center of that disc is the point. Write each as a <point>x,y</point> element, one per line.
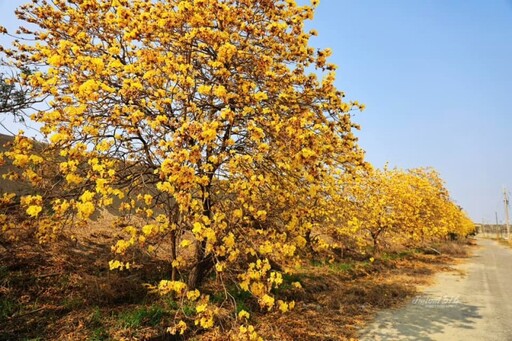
<point>456,248</point>
<point>52,292</point>
<point>505,242</point>
<point>65,291</point>
<point>338,299</point>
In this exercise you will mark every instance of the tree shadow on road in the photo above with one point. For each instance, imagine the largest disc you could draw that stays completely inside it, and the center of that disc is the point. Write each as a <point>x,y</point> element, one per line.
<point>426,316</point>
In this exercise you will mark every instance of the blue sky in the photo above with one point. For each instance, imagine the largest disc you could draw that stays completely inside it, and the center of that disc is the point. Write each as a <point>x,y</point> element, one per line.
<point>436,77</point>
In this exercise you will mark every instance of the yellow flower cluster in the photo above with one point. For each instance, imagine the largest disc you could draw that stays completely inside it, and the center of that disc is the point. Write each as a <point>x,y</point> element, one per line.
<point>33,203</point>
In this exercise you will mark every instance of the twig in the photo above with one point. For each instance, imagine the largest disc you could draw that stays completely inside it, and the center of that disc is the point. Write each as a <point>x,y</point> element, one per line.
<point>26,313</point>
<point>49,275</point>
<point>436,251</point>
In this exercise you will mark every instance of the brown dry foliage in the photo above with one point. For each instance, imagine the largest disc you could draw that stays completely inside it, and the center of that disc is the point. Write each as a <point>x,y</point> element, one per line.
<point>59,291</point>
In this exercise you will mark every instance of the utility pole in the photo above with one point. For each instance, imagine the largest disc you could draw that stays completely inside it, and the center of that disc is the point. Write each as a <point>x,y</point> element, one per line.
<point>505,200</point>
<point>497,225</point>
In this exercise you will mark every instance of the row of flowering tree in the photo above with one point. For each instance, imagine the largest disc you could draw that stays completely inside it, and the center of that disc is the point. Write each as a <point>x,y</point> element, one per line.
<point>212,125</point>
<point>394,207</point>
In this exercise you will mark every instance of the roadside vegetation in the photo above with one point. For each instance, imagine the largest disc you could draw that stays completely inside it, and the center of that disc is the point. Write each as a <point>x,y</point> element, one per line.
<point>67,292</point>
<point>199,180</point>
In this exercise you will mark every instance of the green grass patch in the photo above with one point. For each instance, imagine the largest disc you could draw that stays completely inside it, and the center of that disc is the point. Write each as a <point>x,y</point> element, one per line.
<point>291,278</point>
<point>316,263</point>
<point>96,324</point>
<point>96,318</point>
<point>241,298</point>
<point>189,310</point>
<point>141,316</point>
<point>7,308</point>
<point>341,267</point>
<point>99,334</point>
<point>171,304</point>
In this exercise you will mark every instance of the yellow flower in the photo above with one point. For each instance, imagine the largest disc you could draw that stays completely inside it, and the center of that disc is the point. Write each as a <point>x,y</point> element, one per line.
<point>238,213</point>
<point>198,228</point>
<point>229,240</point>
<point>220,91</point>
<point>297,285</point>
<point>87,196</point>
<point>209,135</point>
<point>85,209</point>
<point>267,301</point>
<point>204,89</point>
<point>165,287</point>
<point>73,179</point>
<point>220,267</point>
<point>193,295</point>
<point>34,210</point>
<point>243,314</point>
<point>206,321</point>
<point>201,307</point>
<point>58,137</point>
<point>114,264</point>
<point>147,229</point>
<point>180,328</point>
<point>260,96</point>
<point>283,306</point>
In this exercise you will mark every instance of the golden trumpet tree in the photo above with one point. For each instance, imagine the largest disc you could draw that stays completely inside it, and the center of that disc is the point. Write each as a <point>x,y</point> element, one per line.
<point>203,118</point>
<point>402,206</point>
<point>435,215</point>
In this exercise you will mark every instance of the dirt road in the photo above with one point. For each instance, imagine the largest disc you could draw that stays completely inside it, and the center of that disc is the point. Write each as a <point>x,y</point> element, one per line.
<point>472,303</point>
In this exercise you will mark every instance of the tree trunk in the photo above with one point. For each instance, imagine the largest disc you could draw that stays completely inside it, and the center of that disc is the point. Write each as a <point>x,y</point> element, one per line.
<point>309,243</point>
<point>375,237</point>
<point>203,262</point>
<point>173,255</point>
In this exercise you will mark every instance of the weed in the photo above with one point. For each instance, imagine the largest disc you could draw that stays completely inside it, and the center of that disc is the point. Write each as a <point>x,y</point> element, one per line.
<point>341,267</point>
<point>63,280</point>
<point>291,278</point>
<point>217,297</point>
<point>99,334</point>
<point>316,262</point>
<point>241,298</point>
<point>7,308</point>
<point>96,318</point>
<point>189,309</point>
<point>72,303</point>
<point>172,304</point>
<point>141,316</point>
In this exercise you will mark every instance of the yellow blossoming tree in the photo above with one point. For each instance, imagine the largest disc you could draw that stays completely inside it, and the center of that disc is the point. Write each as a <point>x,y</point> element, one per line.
<point>410,207</point>
<point>212,121</point>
